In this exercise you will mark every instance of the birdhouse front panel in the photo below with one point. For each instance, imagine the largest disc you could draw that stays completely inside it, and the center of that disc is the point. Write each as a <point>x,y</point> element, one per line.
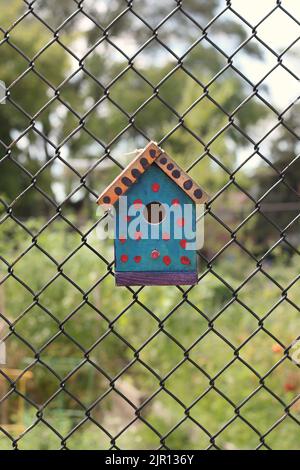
<point>154,203</point>
<point>138,251</point>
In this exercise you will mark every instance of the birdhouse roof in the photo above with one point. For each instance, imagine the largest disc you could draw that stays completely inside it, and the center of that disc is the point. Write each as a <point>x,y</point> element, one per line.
<point>141,163</point>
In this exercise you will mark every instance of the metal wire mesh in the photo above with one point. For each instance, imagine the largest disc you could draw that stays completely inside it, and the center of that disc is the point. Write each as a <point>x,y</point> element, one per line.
<point>85,183</point>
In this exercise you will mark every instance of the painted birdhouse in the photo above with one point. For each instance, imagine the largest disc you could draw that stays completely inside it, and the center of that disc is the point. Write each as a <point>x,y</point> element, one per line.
<point>154,206</point>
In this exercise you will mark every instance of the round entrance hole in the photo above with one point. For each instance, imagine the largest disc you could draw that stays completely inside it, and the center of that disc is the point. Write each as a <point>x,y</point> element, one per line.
<point>154,212</point>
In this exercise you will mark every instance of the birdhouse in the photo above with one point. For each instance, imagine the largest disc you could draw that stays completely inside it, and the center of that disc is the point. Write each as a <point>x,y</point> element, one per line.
<point>154,207</point>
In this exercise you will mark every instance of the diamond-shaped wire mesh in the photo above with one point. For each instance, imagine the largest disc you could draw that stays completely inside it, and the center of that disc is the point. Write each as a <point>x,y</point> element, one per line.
<point>90,365</point>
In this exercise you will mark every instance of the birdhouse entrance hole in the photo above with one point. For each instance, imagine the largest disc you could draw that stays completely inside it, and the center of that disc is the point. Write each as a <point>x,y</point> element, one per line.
<point>154,212</point>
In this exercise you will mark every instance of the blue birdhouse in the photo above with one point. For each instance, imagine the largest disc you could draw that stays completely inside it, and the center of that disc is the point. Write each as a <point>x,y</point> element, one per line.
<point>154,205</point>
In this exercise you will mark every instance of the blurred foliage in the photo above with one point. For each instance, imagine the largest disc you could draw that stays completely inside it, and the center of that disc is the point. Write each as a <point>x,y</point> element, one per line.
<point>107,103</point>
<point>285,158</point>
<point>57,323</point>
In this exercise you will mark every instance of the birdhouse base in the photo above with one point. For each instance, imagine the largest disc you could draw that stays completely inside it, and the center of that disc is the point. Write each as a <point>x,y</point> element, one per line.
<point>145,278</point>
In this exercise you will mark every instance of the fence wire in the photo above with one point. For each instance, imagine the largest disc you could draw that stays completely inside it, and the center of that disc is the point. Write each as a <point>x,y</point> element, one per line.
<point>87,185</point>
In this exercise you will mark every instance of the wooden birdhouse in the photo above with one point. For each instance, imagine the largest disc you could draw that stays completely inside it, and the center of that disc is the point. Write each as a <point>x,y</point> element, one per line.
<point>154,204</point>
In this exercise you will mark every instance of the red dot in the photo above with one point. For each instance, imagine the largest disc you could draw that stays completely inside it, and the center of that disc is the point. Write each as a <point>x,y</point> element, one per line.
<point>289,386</point>
<point>183,244</point>
<point>166,236</point>
<point>167,260</point>
<point>175,202</point>
<point>138,235</point>
<point>137,258</point>
<point>122,238</point>
<point>155,254</point>
<point>138,203</point>
<point>180,222</point>
<point>155,187</point>
<point>127,218</point>
<point>124,258</point>
<point>185,260</point>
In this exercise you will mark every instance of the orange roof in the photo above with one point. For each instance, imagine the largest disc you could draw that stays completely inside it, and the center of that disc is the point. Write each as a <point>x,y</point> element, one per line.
<point>150,154</point>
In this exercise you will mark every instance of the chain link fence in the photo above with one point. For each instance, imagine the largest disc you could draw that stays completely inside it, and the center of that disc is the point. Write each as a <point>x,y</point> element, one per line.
<point>212,366</point>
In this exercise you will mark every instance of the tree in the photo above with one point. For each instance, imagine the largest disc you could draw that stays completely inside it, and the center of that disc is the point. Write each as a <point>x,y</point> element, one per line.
<point>102,99</point>
<point>28,94</point>
<point>282,201</point>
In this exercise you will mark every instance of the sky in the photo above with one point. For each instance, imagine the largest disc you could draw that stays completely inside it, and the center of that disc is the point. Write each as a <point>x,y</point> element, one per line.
<point>278,31</point>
